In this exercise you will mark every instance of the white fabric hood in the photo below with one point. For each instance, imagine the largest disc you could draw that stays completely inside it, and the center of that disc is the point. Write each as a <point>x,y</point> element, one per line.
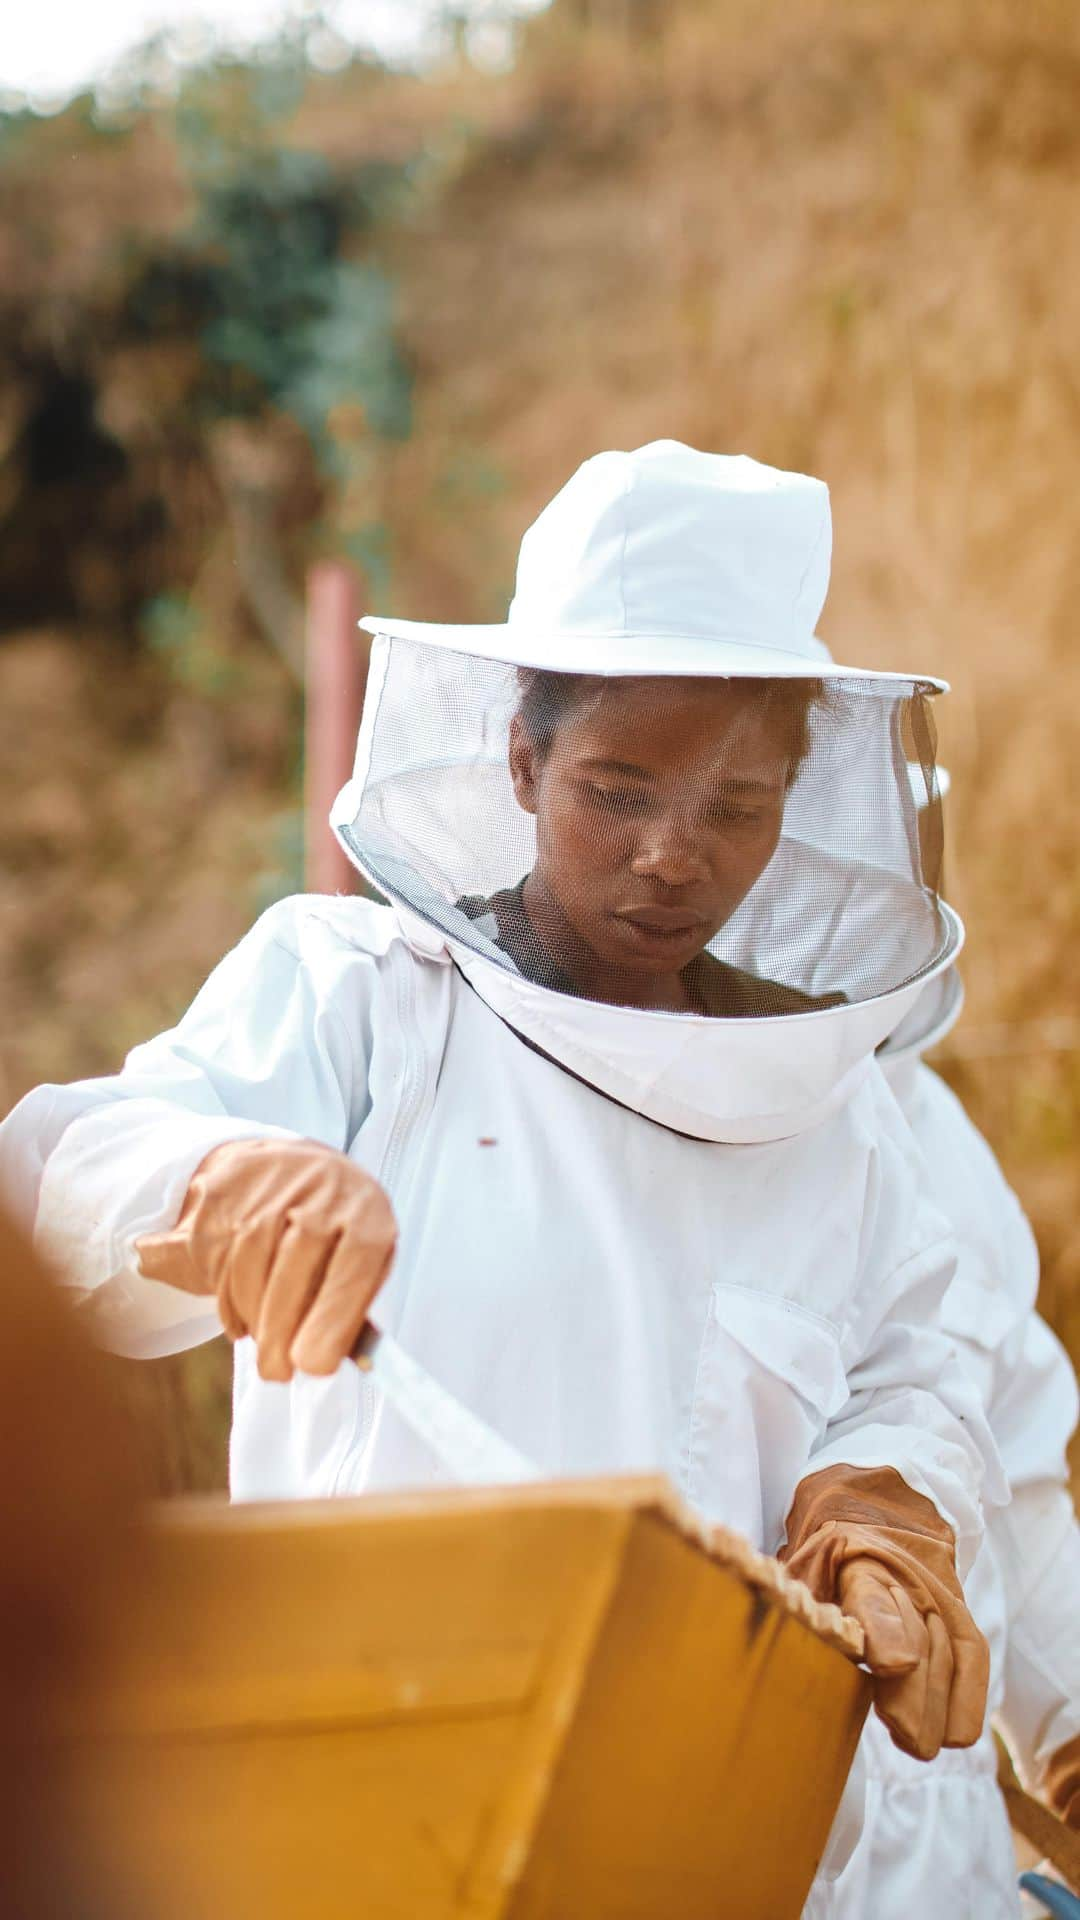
<point>736,1081</point>
<point>662,568</point>
<point>932,1017</point>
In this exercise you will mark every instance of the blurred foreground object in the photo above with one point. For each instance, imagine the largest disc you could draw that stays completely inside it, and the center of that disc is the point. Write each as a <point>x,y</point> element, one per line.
<point>511,1705</point>
<point>334,677</point>
<point>533,1702</point>
<point>66,1500</point>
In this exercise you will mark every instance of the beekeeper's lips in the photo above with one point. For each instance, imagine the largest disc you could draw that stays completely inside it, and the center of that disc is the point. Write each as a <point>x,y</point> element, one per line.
<point>651,929</point>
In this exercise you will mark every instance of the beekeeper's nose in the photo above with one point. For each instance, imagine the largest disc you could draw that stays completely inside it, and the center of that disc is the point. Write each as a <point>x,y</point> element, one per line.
<point>670,852</point>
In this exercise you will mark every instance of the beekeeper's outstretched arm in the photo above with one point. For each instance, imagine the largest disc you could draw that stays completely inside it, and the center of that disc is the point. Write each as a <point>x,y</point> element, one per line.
<point>205,1162</point>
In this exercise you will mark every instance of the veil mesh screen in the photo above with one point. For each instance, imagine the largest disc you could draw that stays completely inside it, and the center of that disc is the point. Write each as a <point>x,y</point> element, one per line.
<point>708,846</point>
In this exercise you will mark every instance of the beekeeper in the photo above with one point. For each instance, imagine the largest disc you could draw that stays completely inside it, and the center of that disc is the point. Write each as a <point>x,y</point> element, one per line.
<point>637,1203</point>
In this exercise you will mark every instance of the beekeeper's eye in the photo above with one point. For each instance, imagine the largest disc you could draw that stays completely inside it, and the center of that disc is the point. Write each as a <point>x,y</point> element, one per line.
<point>745,817</point>
<point>613,798</point>
<point>614,786</point>
<point>737,809</point>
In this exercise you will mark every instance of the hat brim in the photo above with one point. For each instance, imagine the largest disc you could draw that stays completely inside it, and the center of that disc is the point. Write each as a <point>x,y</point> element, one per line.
<point>605,654</point>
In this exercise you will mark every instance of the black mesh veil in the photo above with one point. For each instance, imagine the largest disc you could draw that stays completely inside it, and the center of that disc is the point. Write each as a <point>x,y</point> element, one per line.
<point>724,847</point>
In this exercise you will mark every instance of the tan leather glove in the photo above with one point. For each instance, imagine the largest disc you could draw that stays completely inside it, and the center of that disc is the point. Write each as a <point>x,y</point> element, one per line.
<point>1062,1783</point>
<point>861,1537</point>
<point>295,1241</point>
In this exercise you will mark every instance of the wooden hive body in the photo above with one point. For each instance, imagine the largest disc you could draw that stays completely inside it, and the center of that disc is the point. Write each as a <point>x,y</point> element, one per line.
<point>546,1703</point>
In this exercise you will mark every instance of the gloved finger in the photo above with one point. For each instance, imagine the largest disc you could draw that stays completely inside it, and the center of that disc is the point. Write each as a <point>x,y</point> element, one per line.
<point>916,1707</point>
<point>900,1699</point>
<point>244,1269</point>
<point>299,1265</point>
<point>356,1270</point>
<point>167,1257</point>
<point>186,1255</point>
<point>967,1702</point>
<point>939,1679</point>
<point>895,1635</point>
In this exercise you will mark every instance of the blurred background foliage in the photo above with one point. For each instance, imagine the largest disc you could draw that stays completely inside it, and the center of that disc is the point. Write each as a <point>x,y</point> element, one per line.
<point>253,312</point>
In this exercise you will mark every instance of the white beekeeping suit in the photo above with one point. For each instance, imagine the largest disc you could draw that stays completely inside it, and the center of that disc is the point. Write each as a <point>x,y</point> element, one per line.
<point>656,1205</point>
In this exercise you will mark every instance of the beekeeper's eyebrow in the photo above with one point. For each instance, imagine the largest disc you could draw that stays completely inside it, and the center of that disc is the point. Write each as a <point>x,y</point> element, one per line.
<point>619,766</point>
<point>729,782</point>
<point>734,783</point>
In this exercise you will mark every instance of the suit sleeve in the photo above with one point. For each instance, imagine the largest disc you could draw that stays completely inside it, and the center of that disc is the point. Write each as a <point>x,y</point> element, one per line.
<point>88,1168</point>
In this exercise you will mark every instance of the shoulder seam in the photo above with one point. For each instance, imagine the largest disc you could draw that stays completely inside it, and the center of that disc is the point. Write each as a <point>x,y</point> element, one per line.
<point>329,1007</point>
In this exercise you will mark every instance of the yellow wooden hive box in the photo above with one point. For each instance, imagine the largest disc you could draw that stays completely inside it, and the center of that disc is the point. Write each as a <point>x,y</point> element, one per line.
<point>559,1702</point>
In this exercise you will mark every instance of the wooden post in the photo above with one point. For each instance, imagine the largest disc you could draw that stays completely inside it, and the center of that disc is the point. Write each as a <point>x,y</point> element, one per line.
<point>335,673</point>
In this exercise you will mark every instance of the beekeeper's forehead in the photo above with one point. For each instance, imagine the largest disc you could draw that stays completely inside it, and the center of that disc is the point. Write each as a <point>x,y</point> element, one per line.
<point>656,725</point>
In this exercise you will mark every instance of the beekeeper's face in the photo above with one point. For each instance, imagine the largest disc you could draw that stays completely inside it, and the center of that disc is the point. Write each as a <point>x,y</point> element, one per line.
<point>658,803</point>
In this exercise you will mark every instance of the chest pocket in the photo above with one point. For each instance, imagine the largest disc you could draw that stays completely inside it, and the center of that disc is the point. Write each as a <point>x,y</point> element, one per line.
<point>769,1379</point>
<point>982,1320</point>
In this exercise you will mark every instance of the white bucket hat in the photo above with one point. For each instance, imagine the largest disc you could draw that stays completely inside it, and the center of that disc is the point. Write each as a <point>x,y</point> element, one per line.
<point>667,561</point>
<point>664,563</point>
